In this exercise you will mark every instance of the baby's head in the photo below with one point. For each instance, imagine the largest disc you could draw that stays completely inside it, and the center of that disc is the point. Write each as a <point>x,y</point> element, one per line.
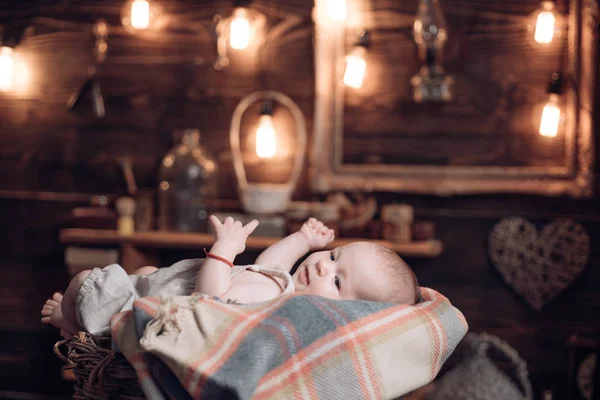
<point>358,271</point>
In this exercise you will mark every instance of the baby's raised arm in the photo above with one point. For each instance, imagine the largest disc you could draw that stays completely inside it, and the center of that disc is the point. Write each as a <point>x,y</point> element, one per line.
<point>313,235</point>
<point>214,277</point>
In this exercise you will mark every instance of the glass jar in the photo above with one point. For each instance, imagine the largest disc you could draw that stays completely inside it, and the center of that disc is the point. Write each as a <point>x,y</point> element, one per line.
<point>188,186</point>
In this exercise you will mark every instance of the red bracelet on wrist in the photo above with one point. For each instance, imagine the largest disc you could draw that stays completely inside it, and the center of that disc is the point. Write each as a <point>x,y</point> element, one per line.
<point>216,257</point>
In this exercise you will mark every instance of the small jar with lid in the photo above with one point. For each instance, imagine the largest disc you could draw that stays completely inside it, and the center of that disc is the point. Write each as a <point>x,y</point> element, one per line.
<point>397,222</point>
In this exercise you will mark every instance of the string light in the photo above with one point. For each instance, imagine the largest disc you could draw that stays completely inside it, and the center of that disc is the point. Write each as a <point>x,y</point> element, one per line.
<point>266,137</point>
<point>6,68</point>
<point>239,30</point>
<point>550,117</point>
<point>138,14</point>
<point>545,22</point>
<point>336,9</point>
<point>356,66</point>
<point>550,120</point>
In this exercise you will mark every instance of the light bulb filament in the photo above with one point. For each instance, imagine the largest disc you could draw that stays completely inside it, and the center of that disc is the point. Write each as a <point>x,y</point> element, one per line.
<point>140,14</point>
<point>336,10</point>
<point>544,27</point>
<point>266,139</point>
<point>356,67</point>
<point>6,68</point>
<point>550,117</point>
<point>239,30</point>
<point>545,23</point>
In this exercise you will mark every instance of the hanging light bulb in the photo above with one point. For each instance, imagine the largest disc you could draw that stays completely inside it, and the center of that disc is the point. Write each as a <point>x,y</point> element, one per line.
<point>239,30</point>
<point>356,66</point>
<point>139,14</point>
<point>545,22</point>
<point>550,117</point>
<point>551,113</point>
<point>266,138</point>
<point>6,68</point>
<point>336,9</point>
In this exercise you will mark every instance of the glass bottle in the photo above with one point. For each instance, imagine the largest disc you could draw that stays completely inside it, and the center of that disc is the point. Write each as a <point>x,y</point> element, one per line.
<point>188,186</point>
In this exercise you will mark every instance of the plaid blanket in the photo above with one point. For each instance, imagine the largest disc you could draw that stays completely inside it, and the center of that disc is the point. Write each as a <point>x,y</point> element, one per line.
<point>294,346</point>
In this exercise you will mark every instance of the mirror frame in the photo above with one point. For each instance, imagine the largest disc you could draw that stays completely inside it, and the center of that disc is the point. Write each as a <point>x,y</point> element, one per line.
<point>328,173</point>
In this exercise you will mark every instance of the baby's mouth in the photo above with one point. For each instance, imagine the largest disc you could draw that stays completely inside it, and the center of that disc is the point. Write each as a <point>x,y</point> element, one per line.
<point>306,276</point>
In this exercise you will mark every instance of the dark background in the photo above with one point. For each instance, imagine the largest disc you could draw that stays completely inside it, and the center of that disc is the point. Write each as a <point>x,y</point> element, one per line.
<point>154,85</point>
<point>500,79</point>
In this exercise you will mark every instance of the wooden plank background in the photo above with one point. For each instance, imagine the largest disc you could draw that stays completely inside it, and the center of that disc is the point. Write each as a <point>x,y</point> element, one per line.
<point>155,85</point>
<point>501,76</point>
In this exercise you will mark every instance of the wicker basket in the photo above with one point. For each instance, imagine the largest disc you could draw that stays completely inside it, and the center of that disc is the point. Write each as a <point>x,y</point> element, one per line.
<point>100,373</point>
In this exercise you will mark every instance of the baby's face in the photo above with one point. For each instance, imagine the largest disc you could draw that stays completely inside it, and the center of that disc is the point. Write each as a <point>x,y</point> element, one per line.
<point>349,272</point>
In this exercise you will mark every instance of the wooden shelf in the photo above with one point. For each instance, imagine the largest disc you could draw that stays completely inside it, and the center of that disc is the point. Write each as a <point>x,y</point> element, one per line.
<point>155,239</point>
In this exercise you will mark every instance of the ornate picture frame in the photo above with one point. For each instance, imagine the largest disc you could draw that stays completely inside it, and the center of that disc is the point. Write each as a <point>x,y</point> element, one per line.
<point>329,171</point>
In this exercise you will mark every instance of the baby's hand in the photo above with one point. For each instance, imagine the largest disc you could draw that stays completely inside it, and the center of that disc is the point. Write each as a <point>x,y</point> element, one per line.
<point>232,234</point>
<point>317,234</point>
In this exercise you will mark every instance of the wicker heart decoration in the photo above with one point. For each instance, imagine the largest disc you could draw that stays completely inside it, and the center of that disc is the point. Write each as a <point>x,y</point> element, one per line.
<point>538,265</point>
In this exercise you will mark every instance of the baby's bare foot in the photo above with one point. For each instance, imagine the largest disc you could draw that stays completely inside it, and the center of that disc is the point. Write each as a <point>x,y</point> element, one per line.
<point>52,314</point>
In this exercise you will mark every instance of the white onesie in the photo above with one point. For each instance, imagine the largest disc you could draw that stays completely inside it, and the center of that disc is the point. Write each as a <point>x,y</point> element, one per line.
<point>109,290</point>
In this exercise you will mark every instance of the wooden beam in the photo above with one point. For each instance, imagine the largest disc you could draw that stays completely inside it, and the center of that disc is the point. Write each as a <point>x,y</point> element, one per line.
<point>426,249</point>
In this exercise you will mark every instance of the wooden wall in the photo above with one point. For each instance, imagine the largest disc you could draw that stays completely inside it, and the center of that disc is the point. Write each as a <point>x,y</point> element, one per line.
<point>500,80</point>
<point>155,85</point>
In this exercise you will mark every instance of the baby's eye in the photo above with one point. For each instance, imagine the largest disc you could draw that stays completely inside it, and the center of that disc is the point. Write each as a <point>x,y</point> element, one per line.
<point>331,256</point>
<point>337,282</point>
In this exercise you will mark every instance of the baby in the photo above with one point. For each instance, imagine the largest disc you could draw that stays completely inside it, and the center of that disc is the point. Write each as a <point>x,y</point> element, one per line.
<point>357,271</point>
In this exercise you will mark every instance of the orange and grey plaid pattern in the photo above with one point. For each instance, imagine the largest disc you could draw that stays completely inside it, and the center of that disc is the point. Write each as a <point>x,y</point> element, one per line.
<point>294,346</point>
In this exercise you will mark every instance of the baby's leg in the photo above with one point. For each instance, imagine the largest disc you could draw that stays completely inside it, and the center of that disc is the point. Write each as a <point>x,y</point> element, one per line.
<point>70,298</point>
<point>59,310</point>
<point>147,270</point>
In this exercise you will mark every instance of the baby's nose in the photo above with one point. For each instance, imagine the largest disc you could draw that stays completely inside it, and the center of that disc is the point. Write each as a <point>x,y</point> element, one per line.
<point>322,268</point>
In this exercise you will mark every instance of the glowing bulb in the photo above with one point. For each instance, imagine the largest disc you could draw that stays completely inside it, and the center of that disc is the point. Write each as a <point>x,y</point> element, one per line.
<point>6,68</point>
<point>356,67</point>
<point>266,140</point>
<point>140,14</point>
<point>545,24</point>
<point>336,9</point>
<point>239,30</point>
<point>550,117</point>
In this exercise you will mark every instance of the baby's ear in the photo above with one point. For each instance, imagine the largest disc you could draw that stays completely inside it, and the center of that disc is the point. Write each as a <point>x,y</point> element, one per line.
<point>419,296</point>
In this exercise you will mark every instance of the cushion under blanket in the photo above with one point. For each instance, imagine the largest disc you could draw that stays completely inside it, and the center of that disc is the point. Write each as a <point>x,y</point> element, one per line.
<point>293,346</point>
